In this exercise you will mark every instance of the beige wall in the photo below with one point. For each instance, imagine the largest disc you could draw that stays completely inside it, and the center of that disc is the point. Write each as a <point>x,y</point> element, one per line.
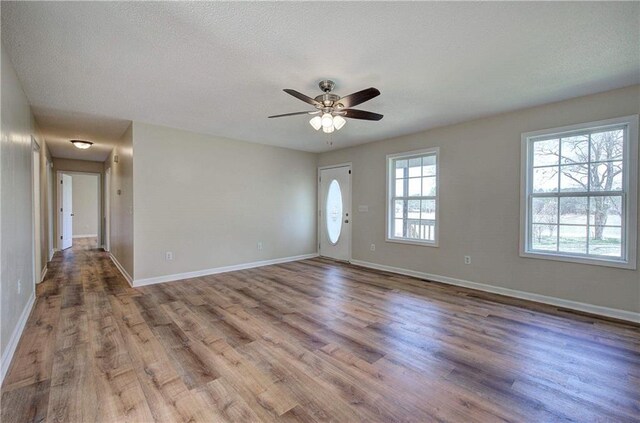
<point>121,201</point>
<point>75,166</point>
<point>210,201</point>
<point>85,204</point>
<point>16,239</point>
<point>479,205</point>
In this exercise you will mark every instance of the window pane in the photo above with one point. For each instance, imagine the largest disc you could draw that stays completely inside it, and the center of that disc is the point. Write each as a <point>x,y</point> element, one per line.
<point>545,179</point>
<point>573,178</point>
<point>414,187</point>
<point>575,149</point>
<point>429,186</point>
<point>414,177</point>
<point>544,237</point>
<point>429,165</point>
<point>428,230</point>
<point>398,209</point>
<point>573,239</point>
<point>397,227</point>
<point>607,145</point>
<point>605,241</point>
<point>546,152</point>
<point>333,212</point>
<point>605,211</point>
<point>428,209</point>
<point>413,229</point>
<point>415,167</point>
<point>573,210</point>
<point>544,210</point>
<point>401,166</point>
<point>413,209</point>
<point>606,176</point>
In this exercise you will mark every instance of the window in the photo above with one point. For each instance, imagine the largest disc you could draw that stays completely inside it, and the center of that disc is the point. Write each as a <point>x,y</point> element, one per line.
<point>412,203</point>
<point>579,192</point>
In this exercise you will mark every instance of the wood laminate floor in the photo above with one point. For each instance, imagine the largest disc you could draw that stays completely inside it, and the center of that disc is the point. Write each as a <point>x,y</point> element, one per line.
<point>308,341</point>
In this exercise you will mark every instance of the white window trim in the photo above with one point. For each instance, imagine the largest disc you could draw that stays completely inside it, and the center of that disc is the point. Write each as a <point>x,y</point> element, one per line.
<point>389,190</point>
<point>630,162</point>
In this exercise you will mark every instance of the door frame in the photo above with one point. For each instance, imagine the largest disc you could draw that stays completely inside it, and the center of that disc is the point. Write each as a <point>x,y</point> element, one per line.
<point>51,243</point>
<point>319,210</point>
<point>107,212</point>
<point>36,211</point>
<point>59,203</point>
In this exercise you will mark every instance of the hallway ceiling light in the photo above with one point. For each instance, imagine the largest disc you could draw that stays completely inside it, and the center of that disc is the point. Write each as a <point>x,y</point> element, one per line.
<point>81,144</point>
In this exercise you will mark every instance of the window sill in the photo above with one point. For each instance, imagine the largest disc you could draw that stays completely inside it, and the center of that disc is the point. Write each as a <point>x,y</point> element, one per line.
<point>631,265</point>
<point>411,242</point>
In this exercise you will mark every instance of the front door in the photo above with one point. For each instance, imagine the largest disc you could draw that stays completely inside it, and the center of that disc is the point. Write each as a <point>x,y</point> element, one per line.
<point>67,211</point>
<point>335,213</point>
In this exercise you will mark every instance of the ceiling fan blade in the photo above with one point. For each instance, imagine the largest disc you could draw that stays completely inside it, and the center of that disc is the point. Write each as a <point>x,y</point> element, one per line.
<point>295,113</point>
<point>359,97</point>
<point>302,97</point>
<point>360,114</point>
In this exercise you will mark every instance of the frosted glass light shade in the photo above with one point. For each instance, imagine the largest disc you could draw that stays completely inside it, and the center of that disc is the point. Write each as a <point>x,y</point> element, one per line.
<point>328,130</point>
<point>338,122</point>
<point>81,144</point>
<point>327,120</point>
<point>316,122</point>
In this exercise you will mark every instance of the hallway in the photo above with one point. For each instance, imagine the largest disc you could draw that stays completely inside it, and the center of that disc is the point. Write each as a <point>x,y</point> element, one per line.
<point>308,341</point>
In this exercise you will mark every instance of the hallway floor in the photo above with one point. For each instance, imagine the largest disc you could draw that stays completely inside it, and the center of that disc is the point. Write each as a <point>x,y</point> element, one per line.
<point>308,341</point>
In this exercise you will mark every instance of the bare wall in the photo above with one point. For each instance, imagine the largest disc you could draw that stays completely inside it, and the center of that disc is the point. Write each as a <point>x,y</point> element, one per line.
<point>16,232</point>
<point>86,203</point>
<point>210,200</point>
<point>479,205</point>
<point>121,201</point>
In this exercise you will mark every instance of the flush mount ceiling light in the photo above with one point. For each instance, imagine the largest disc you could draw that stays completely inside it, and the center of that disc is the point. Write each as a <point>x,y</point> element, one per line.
<point>81,144</point>
<point>333,109</point>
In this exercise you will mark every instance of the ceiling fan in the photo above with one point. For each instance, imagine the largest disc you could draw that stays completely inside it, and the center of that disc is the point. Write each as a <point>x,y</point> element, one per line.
<point>331,109</point>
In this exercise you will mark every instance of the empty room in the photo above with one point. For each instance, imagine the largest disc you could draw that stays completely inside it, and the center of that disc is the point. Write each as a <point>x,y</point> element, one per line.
<point>319,211</point>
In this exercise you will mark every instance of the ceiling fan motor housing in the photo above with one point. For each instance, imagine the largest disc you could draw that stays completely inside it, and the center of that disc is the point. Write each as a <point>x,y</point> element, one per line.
<point>327,99</point>
<point>326,85</point>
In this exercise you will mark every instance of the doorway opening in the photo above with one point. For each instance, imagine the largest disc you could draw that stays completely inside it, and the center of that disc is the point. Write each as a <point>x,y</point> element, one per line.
<point>79,205</point>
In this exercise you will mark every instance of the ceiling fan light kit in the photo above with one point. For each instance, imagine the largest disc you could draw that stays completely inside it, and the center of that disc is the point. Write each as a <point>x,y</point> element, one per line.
<point>316,122</point>
<point>331,109</point>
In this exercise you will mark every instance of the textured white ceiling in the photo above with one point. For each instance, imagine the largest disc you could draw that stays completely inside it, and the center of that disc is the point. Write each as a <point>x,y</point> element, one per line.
<point>220,68</point>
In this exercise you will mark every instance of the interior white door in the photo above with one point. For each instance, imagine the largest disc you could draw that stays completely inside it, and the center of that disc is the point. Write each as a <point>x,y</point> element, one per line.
<point>67,211</point>
<point>335,213</point>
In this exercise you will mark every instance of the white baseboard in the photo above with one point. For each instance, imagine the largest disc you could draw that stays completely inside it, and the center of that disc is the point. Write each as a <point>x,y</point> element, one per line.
<point>51,253</point>
<point>216,270</point>
<point>43,273</point>
<point>559,302</point>
<point>7,356</point>
<point>126,275</point>
<point>85,236</point>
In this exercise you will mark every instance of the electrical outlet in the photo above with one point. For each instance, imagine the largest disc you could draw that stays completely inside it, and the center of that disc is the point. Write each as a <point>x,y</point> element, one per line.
<point>467,259</point>
<point>19,286</point>
<point>168,256</point>
<point>373,247</point>
<point>259,246</point>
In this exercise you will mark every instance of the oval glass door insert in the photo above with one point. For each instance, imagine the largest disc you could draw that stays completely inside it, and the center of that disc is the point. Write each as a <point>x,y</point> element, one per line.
<point>333,212</point>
